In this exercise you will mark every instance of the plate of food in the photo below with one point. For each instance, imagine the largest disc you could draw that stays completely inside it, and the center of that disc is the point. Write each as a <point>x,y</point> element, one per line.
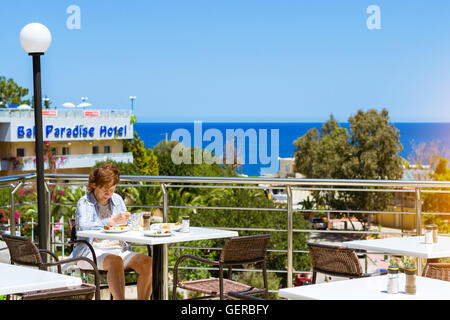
<point>157,233</point>
<point>116,229</point>
<point>166,226</point>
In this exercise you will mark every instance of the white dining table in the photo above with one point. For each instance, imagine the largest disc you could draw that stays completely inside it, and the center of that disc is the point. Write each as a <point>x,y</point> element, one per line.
<point>408,246</point>
<point>160,275</point>
<point>136,236</point>
<point>370,288</point>
<point>18,279</point>
<point>414,246</point>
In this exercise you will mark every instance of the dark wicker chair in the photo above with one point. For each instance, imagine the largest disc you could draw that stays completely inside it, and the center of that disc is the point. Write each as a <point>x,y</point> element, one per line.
<point>236,251</point>
<point>440,271</point>
<point>24,252</point>
<point>241,296</point>
<point>73,240</point>
<point>336,261</point>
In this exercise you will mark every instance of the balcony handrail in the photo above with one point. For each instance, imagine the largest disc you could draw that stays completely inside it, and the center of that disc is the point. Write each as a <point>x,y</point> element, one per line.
<point>269,181</point>
<point>289,184</point>
<point>244,180</point>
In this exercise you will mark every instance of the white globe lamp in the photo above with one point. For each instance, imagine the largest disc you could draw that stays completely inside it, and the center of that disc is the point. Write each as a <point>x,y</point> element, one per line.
<point>35,38</point>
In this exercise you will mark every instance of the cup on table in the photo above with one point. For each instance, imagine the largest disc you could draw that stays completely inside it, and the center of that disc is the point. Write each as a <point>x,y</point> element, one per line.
<point>134,221</point>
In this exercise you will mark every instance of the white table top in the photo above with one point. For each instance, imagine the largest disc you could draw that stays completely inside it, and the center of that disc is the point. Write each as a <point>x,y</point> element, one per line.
<point>371,288</point>
<point>408,246</point>
<point>196,233</point>
<point>18,279</point>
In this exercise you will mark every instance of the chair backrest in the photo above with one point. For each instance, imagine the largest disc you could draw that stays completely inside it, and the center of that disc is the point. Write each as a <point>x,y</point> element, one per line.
<point>440,271</point>
<point>71,225</point>
<point>22,250</point>
<point>245,249</point>
<point>334,260</point>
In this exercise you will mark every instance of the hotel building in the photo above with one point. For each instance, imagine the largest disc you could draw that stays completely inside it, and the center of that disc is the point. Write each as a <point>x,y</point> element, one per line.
<point>74,140</point>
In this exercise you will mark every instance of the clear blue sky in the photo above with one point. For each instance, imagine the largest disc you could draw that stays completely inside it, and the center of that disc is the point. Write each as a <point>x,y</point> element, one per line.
<point>240,60</point>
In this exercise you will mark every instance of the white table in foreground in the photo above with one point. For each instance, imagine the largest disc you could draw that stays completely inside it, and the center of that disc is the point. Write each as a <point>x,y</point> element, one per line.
<point>370,288</point>
<point>196,233</point>
<point>408,246</point>
<point>17,279</point>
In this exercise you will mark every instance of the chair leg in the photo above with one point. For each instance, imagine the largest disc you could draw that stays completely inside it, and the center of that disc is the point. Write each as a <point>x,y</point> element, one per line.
<point>266,285</point>
<point>221,281</point>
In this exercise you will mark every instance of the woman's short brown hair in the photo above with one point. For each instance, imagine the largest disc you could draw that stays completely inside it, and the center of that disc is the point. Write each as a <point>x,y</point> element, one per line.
<point>106,175</point>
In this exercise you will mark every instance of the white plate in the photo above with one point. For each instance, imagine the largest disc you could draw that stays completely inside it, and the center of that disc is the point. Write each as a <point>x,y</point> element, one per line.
<point>157,233</point>
<point>116,231</point>
<point>172,226</point>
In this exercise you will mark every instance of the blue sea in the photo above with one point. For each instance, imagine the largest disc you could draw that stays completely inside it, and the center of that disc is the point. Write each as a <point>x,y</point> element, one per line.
<point>411,136</point>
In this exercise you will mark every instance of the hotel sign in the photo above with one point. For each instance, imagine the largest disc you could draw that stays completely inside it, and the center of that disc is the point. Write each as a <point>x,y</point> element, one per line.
<point>53,132</point>
<point>69,126</point>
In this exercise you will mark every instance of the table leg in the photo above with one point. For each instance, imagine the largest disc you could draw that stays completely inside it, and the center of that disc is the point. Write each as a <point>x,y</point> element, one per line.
<point>157,272</point>
<point>160,276</point>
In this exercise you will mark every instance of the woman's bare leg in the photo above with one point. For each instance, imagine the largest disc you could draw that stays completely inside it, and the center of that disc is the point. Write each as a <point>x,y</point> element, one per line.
<point>143,265</point>
<point>115,276</point>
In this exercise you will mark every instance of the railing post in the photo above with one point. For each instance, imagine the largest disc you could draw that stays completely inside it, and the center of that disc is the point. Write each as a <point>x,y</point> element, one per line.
<point>48,214</point>
<point>12,215</point>
<point>165,251</point>
<point>419,226</point>
<point>290,223</point>
<point>418,212</point>
<point>165,203</point>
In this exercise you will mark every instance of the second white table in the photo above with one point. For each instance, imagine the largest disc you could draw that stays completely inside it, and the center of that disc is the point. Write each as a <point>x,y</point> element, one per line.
<point>18,279</point>
<point>370,288</point>
<point>408,246</point>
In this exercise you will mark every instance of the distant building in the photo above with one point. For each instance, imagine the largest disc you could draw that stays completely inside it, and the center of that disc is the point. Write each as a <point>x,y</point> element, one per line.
<point>74,139</point>
<point>286,167</point>
<point>405,201</point>
<point>414,173</point>
<point>279,195</point>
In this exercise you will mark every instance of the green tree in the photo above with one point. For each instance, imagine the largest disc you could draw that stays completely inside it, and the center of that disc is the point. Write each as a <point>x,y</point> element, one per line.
<point>167,167</point>
<point>253,219</point>
<point>11,93</point>
<point>438,202</point>
<point>143,157</point>
<point>369,151</point>
<point>47,102</point>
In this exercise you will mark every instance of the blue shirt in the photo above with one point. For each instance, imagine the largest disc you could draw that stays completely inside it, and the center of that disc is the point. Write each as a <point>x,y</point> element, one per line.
<point>87,218</point>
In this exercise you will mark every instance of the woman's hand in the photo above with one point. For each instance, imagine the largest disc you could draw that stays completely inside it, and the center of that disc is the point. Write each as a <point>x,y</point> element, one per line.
<point>120,218</point>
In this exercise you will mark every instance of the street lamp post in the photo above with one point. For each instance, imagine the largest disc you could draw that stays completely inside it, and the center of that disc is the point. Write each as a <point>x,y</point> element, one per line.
<point>35,39</point>
<point>132,98</point>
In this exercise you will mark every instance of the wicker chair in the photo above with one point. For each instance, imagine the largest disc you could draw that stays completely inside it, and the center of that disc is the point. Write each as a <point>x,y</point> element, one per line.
<point>24,252</point>
<point>336,261</point>
<point>440,271</point>
<point>241,296</point>
<point>73,240</point>
<point>236,251</point>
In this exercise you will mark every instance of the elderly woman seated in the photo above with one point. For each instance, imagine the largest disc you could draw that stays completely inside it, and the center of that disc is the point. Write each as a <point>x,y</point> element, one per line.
<point>102,207</point>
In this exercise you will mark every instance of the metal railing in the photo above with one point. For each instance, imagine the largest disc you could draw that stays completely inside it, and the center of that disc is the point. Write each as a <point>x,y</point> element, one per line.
<point>165,183</point>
